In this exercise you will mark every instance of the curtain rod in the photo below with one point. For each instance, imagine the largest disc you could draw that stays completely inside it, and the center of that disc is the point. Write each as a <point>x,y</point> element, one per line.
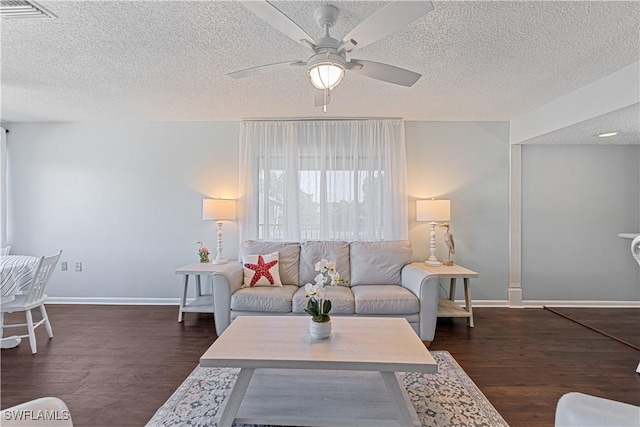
<point>315,119</point>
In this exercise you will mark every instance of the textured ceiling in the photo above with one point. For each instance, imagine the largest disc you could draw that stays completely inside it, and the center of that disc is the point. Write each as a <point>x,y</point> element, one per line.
<point>625,121</point>
<point>168,60</point>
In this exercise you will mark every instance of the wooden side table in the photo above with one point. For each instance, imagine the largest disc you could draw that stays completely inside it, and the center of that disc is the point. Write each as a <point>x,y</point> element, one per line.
<point>202,303</point>
<point>446,306</point>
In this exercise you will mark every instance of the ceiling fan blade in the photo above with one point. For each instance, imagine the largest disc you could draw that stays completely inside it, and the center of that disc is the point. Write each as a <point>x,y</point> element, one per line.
<point>385,72</point>
<point>319,99</point>
<point>263,69</point>
<point>278,20</point>
<point>391,18</point>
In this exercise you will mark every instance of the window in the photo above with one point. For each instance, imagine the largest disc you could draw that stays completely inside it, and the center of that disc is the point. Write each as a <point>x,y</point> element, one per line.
<point>324,180</point>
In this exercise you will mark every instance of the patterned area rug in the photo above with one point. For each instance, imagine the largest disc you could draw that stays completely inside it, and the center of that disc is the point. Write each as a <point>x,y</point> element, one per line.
<point>447,398</point>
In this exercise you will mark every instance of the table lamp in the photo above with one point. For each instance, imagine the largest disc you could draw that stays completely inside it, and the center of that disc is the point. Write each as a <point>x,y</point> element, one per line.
<point>219,210</point>
<point>433,211</point>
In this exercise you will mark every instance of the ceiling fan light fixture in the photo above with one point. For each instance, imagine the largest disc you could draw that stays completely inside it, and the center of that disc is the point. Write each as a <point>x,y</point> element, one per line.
<point>326,75</point>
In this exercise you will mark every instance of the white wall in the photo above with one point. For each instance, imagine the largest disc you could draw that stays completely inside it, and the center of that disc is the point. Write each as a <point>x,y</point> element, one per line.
<point>575,201</point>
<point>125,199</point>
<point>468,163</point>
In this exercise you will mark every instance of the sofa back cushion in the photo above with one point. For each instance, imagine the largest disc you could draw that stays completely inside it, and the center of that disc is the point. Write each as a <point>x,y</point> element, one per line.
<point>379,263</point>
<point>313,251</point>
<point>288,253</point>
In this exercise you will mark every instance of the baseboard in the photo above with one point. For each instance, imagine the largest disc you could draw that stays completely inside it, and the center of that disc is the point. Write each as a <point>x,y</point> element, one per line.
<point>476,303</point>
<point>515,297</point>
<point>584,304</point>
<point>485,303</point>
<point>554,303</point>
<point>113,301</point>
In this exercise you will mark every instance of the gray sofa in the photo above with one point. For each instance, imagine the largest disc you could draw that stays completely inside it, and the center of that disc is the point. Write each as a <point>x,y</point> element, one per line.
<point>381,283</point>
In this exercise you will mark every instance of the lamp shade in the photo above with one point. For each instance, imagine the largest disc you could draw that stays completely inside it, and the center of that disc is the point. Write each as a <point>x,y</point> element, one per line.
<point>219,209</point>
<point>326,75</point>
<point>433,210</point>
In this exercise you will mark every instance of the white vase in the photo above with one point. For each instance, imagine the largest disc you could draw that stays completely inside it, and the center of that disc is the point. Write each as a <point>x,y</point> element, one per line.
<point>320,330</point>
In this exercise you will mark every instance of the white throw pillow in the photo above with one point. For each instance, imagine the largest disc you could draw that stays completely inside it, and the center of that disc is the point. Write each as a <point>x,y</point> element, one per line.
<point>261,270</point>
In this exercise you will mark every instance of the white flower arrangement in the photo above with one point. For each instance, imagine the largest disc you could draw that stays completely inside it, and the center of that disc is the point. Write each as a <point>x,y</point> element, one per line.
<point>317,306</point>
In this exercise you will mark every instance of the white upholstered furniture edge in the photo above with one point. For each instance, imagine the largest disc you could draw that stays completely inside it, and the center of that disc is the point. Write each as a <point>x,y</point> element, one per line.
<point>379,273</point>
<point>42,412</point>
<point>583,410</point>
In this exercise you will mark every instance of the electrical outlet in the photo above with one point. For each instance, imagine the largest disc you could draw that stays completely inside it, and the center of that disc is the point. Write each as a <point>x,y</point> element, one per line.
<point>63,266</point>
<point>78,266</point>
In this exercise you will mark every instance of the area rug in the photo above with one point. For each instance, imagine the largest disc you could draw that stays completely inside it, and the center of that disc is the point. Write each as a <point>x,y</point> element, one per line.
<point>447,398</point>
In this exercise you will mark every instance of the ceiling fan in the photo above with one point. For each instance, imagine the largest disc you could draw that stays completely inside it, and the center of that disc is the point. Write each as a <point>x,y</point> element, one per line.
<point>328,63</point>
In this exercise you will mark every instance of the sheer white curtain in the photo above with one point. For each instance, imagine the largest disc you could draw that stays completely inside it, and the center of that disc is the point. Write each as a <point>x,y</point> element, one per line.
<point>327,180</point>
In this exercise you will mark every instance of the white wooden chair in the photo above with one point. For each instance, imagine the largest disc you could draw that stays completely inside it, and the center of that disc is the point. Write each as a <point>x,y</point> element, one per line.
<point>33,297</point>
<point>5,251</point>
<point>46,411</point>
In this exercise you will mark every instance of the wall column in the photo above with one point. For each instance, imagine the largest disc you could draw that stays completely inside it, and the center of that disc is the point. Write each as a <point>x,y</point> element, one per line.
<point>515,226</point>
<point>3,187</point>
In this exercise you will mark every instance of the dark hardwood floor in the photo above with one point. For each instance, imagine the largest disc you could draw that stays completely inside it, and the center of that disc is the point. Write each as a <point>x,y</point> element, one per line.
<point>116,365</point>
<point>625,326</point>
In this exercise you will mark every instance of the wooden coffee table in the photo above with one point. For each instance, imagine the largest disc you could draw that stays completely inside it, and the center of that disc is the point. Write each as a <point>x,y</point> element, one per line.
<point>288,378</point>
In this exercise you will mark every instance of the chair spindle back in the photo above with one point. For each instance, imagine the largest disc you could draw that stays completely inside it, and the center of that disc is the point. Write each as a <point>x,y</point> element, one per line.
<point>42,274</point>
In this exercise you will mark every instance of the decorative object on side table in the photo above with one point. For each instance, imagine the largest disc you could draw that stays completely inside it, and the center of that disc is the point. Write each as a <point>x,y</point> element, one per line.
<point>448,239</point>
<point>203,252</point>
<point>433,211</point>
<point>318,307</point>
<point>219,210</point>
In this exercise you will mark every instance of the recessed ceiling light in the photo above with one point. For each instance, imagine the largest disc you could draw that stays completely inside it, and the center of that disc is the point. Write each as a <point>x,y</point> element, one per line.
<point>607,134</point>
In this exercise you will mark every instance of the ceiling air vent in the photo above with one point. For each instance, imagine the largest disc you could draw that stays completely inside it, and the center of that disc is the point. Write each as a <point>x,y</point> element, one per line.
<point>23,9</point>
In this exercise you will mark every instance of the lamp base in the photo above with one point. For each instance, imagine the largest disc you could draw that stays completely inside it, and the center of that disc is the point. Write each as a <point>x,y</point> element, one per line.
<point>447,262</point>
<point>219,261</point>
<point>432,263</point>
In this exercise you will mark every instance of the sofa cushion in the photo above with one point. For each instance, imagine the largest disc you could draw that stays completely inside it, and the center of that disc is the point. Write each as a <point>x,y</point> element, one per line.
<point>376,299</point>
<point>313,251</point>
<point>265,299</point>
<point>341,298</point>
<point>261,270</point>
<point>289,257</point>
<point>379,263</point>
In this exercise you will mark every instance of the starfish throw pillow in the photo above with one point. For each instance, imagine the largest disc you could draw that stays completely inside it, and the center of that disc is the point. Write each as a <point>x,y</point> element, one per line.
<point>261,270</point>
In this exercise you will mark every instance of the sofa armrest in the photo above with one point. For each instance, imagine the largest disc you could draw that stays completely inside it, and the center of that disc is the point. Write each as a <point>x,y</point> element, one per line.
<point>424,285</point>
<point>225,283</point>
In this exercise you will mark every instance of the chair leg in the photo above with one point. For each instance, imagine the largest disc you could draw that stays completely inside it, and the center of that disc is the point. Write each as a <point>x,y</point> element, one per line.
<point>47,324</point>
<point>32,332</point>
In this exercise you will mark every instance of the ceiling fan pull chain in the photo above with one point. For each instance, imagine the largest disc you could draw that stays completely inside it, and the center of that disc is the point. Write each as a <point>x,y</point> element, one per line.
<point>326,95</point>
